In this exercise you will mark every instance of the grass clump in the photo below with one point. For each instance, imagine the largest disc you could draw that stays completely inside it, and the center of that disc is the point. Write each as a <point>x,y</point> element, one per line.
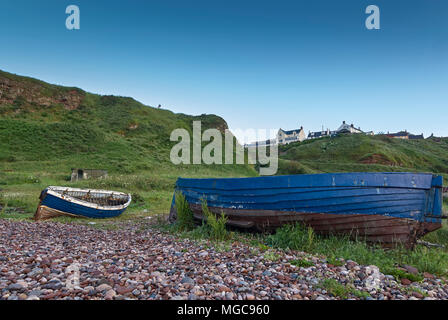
<point>412,289</point>
<point>334,261</point>
<point>271,256</point>
<point>295,237</point>
<point>303,263</point>
<point>401,274</point>
<point>339,290</point>
<point>333,287</point>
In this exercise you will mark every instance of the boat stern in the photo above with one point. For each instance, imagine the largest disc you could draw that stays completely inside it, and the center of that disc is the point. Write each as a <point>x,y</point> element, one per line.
<point>437,197</point>
<point>432,219</point>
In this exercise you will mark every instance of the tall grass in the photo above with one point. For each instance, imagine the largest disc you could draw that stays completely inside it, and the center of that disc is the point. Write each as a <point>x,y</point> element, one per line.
<point>295,237</point>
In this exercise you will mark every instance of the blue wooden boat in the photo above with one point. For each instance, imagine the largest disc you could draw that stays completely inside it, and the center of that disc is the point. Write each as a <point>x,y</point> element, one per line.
<point>380,207</point>
<point>89,203</point>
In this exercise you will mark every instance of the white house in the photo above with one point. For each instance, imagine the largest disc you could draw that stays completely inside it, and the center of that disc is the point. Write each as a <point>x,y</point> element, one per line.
<point>286,137</point>
<point>321,134</point>
<point>345,128</point>
<point>298,135</point>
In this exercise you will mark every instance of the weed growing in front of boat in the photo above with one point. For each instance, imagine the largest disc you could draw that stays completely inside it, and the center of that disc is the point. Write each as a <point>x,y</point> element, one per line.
<point>185,220</point>
<point>296,237</point>
<point>217,225</point>
<point>339,290</point>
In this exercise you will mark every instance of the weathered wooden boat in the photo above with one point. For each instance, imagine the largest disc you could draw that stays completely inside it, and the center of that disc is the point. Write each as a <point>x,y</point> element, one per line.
<point>89,203</point>
<point>380,207</point>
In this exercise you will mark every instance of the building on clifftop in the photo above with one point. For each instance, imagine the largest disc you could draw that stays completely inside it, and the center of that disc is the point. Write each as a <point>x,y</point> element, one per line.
<point>286,137</point>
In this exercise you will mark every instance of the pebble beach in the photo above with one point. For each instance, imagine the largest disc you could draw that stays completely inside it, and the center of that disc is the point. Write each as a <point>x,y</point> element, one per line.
<point>56,261</point>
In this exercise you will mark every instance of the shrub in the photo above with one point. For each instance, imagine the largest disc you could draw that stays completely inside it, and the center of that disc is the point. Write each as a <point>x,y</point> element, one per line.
<point>217,225</point>
<point>185,220</point>
<point>137,200</point>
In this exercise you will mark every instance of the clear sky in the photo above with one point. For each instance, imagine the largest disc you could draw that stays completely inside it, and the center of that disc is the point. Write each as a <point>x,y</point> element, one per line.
<point>258,64</point>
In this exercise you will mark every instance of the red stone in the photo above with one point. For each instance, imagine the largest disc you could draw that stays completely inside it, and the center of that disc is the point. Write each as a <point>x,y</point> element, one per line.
<point>405,281</point>
<point>411,269</point>
<point>223,288</point>
<point>417,295</point>
<point>428,275</point>
<point>123,289</point>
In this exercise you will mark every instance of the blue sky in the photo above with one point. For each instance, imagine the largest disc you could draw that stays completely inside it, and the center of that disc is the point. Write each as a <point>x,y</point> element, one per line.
<point>258,64</point>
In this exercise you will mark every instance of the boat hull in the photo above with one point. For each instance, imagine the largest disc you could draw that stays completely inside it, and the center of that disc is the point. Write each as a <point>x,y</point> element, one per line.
<point>379,207</point>
<point>53,205</point>
<point>372,228</point>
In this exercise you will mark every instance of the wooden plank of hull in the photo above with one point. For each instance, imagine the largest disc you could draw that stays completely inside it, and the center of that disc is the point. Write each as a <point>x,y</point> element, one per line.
<point>386,230</point>
<point>45,213</point>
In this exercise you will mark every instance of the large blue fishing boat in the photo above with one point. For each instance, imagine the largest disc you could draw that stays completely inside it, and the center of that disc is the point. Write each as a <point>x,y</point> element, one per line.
<point>89,203</point>
<point>381,207</point>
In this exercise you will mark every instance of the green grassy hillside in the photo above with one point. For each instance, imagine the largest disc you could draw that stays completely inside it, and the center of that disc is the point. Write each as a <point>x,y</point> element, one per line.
<point>365,153</point>
<point>45,130</point>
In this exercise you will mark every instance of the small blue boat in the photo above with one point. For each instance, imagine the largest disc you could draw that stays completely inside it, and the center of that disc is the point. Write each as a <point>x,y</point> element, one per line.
<point>381,207</point>
<point>88,203</point>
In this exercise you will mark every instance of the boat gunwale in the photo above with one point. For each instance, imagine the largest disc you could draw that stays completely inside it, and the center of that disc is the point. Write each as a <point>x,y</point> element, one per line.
<point>319,174</point>
<point>425,181</point>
